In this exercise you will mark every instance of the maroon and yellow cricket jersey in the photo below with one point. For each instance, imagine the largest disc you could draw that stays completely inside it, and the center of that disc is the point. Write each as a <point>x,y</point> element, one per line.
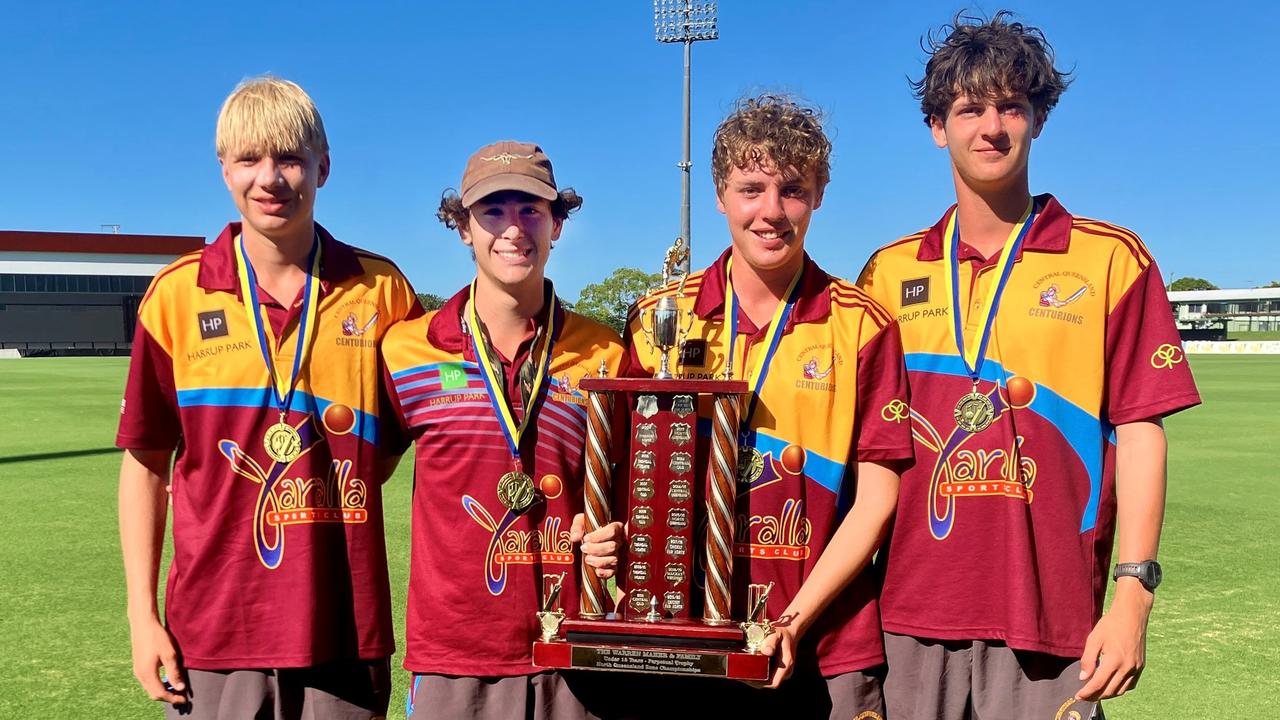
<point>1005,533</point>
<point>478,570</point>
<point>276,564</point>
<point>835,394</point>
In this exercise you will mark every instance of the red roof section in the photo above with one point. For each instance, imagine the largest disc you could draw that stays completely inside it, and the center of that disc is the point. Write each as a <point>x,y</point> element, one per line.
<point>120,244</point>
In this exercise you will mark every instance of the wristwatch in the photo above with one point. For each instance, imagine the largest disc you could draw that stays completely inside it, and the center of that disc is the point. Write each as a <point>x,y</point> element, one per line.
<point>1148,573</point>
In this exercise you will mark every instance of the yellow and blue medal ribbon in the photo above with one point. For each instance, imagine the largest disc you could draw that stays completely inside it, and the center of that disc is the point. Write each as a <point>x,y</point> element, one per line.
<point>281,440</point>
<point>974,411</point>
<point>515,489</point>
<point>750,462</point>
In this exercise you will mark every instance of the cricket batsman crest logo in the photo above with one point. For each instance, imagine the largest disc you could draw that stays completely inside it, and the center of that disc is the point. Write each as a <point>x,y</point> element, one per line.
<point>513,546</point>
<point>1051,296</point>
<point>286,499</point>
<point>352,327</point>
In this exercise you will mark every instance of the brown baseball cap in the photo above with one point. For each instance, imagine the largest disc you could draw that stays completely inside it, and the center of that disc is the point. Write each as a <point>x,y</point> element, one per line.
<point>508,165</point>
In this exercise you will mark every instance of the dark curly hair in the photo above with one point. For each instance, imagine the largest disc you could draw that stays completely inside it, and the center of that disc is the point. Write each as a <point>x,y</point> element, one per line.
<point>454,215</point>
<point>771,129</point>
<point>987,59</point>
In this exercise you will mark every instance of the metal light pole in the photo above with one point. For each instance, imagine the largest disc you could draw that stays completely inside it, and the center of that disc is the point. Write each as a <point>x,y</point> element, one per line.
<point>685,21</point>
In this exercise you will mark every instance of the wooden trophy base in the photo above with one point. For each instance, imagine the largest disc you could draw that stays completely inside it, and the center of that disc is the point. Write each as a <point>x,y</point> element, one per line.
<point>664,647</point>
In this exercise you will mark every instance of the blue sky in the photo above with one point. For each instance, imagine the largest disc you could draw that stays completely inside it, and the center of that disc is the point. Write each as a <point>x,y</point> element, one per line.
<point>107,115</point>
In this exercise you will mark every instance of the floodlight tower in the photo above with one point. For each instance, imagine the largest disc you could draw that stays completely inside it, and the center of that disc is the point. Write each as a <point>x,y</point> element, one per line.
<point>685,21</point>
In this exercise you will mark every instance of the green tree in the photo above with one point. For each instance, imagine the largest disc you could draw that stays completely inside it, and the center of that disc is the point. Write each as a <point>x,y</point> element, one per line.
<point>431,301</point>
<point>609,299</point>
<point>1272,284</point>
<point>1191,283</point>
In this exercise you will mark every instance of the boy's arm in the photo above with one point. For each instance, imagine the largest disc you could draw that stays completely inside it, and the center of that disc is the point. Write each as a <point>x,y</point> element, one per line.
<point>144,502</point>
<point>859,535</point>
<point>1115,653</point>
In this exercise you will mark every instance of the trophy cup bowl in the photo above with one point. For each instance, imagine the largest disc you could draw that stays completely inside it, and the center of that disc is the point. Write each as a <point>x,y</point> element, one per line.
<point>665,321</point>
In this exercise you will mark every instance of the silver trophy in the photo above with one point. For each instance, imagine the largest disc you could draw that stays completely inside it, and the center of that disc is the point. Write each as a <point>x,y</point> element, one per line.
<point>664,332</point>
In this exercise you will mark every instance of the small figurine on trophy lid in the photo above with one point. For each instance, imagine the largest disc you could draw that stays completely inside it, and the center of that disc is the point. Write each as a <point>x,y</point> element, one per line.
<point>673,263</point>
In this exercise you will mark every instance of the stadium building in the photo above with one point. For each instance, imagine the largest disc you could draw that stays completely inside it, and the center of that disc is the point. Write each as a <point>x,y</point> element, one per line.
<point>77,293</point>
<point>1215,314</point>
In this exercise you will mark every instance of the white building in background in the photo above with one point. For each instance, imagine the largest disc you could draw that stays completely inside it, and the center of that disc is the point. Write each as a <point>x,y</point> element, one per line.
<point>77,293</point>
<point>1228,311</point>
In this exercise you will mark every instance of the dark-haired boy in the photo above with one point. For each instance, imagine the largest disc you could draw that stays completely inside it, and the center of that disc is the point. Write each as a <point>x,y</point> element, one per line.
<point>1042,355</point>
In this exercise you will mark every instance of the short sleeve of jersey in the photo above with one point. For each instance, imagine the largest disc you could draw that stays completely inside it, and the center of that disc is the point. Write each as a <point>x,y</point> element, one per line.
<point>883,427</point>
<point>1147,371</point>
<point>393,434</point>
<point>149,411</point>
<point>404,301</point>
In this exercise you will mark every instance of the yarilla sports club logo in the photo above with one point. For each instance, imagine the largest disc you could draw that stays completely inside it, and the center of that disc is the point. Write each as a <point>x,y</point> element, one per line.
<point>285,499</point>
<point>513,546</point>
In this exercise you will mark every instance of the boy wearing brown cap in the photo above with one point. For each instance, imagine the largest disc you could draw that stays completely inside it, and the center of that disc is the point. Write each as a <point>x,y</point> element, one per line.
<point>486,388</point>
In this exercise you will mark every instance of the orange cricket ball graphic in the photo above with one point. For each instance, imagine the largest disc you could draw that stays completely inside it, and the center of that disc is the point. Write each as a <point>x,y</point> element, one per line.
<point>792,459</point>
<point>338,419</point>
<point>551,486</point>
<point>1021,391</point>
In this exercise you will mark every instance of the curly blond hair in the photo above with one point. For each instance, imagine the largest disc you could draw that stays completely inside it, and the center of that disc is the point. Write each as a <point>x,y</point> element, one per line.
<point>771,130</point>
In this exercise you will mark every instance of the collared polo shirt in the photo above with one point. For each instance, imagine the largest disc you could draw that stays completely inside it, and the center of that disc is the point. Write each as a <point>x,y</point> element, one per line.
<point>1005,534</point>
<point>478,570</point>
<point>835,394</point>
<point>275,564</point>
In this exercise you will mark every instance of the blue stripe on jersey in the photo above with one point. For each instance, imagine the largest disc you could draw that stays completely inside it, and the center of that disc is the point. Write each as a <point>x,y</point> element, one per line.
<point>366,425</point>
<point>1084,433</point>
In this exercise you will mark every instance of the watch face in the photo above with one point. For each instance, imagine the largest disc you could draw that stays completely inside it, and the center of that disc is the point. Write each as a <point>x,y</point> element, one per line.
<point>1154,575</point>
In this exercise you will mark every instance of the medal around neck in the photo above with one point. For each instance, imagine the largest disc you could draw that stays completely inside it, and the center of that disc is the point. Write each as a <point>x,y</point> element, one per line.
<point>975,411</point>
<point>281,441</point>
<point>515,489</point>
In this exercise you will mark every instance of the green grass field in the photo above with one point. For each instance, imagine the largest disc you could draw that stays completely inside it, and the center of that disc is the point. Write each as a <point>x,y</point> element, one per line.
<point>1213,652</point>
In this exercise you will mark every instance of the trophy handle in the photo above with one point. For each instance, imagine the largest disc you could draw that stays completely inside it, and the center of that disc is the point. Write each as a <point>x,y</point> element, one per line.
<point>648,330</point>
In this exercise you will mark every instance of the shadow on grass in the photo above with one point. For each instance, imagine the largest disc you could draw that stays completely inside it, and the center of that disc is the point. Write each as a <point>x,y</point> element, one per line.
<point>34,457</point>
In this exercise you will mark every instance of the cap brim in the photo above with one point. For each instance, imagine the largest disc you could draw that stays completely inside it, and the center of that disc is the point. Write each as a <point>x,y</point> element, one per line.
<point>508,181</point>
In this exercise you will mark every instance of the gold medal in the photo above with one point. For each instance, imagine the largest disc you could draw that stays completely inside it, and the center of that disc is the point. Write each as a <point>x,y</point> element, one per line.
<point>515,490</point>
<point>282,442</point>
<point>974,412</point>
<point>750,465</point>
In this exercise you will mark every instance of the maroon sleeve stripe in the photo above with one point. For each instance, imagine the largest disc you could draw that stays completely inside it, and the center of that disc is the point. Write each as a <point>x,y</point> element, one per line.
<point>902,241</point>
<point>180,263</point>
<point>847,295</point>
<point>871,309</point>
<point>1131,243</point>
<point>648,301</point>
<point>1126,232</point>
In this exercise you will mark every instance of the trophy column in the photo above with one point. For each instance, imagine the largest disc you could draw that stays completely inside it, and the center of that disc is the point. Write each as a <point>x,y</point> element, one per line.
<point>721,498</point>
<point>599,484</point>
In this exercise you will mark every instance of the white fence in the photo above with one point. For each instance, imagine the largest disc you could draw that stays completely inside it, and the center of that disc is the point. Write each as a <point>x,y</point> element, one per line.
<point>1232,347</point>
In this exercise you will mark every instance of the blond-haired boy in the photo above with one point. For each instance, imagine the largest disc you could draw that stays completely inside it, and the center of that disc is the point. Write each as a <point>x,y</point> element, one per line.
<point>254,390</point>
